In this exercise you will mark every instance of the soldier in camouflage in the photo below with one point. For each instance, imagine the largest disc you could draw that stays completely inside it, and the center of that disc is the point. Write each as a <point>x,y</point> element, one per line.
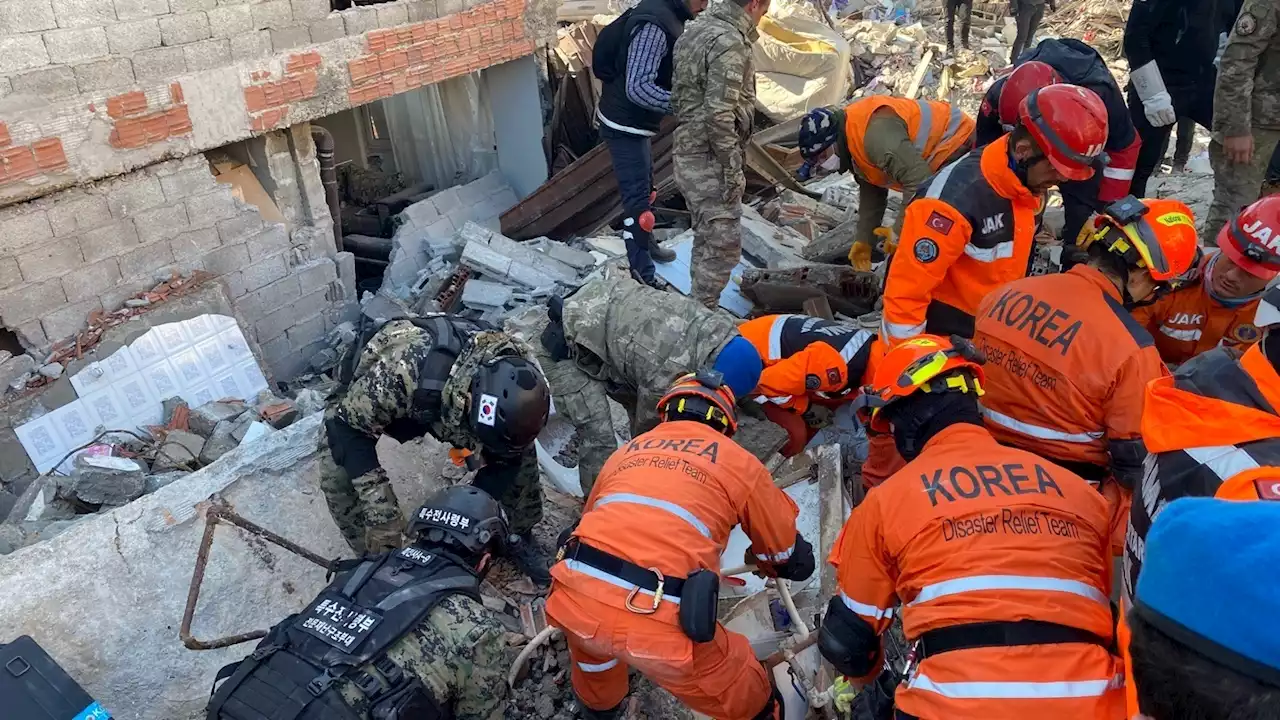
<point>465,384</point>
<point>616,338</point>
<point>1246,113</point>
<point>713,98</point>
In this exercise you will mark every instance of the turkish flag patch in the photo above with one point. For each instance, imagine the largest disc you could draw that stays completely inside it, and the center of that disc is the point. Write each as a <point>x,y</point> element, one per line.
<point>833,376</point>
<point>941,223</point>
<point>1267,489</point>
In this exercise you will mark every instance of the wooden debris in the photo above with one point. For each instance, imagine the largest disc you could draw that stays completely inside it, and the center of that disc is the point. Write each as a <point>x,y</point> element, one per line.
<point>921,68</point>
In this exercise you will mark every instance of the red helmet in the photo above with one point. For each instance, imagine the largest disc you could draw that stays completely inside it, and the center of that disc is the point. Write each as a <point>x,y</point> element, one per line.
<point>1026,77</point>
<point>925,363</point>
<point>1251,239</point>
<point>1069,124</point>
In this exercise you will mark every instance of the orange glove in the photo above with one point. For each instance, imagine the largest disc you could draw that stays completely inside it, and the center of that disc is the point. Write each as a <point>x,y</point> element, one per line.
<point>860,256</point>
<point>890,243</point>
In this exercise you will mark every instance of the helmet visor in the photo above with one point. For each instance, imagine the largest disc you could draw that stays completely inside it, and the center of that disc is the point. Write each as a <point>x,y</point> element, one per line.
<point>1143,239</point>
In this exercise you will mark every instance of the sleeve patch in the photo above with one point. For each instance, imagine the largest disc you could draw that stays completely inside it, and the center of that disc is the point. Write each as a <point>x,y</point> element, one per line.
<point>812,382</point>
<point>925,250</point>
<point>833,376</point>
<point>941,223</point>
<point>1246,24</point>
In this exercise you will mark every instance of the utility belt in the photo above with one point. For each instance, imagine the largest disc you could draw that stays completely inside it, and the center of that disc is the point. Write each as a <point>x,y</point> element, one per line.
<point>1003,634</point>
<point>698,595</point>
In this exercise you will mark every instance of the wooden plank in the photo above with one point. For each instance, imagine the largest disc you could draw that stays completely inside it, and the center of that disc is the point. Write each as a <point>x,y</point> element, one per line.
<point>918,76</point>
<point>818,307</point>
<point>762,162</point>
<point>830,522</point>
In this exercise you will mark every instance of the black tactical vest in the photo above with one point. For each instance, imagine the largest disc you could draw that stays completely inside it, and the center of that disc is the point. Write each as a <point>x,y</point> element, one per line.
<point>343,636</point>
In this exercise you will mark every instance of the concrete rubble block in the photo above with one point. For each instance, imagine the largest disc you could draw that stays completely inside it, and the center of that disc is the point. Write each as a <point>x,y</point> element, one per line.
<point>504,259</point>
<point>179,448</point>
<point>776,247</point>
<point>205,418</point>
<point>275,411</point>
<point>104,480</point>
<point>40,501</point>
<point>577,259</point>
<point>221,441</point>
<point>310,401</point>
<point>241,425</point>
<point>159,480</point>
<point>170,406</point>
<point>483,294</point>
<point>15,367</point>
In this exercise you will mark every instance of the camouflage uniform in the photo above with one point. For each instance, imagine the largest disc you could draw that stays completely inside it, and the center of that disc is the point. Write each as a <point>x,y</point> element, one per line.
<point>458,652</point>
<point>380,394</point>
<point>629,342</point>
<point>1246,101</point>
<point>713,97</point>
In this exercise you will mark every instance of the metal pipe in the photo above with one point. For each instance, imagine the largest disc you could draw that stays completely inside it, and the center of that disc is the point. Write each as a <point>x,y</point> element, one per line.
<point>329,178</point>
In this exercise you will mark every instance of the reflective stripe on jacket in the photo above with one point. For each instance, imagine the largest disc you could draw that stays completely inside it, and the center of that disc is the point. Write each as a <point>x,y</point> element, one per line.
<point>972,531</point>
<point>937,130</point>
<point>804,355</point>
<point>969,230</point>
<point>1067,366</point>
<point>1189,322</point>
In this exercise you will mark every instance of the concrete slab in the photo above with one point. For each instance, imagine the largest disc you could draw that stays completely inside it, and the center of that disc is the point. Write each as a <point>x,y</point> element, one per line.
<point>678,274</point>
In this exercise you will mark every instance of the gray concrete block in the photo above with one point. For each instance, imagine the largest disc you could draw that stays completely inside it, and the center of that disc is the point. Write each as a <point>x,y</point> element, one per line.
<point>578,259</point>
<point>240,228</point>
<point>473,193</point>
<point>104,481</point>
<point>50,259</point>
<point>180,449</point>
<point>159,64</point>
<point>68,320</point>
<point>188,182</point>
<point>230,20</point>
<point>12,368</point>
<point>205,419</point>
<point>275,351</point>
<point>90,281</point>
<point>274,324</point>
<point>482,294</point>
<point>330,28</point>
<point>504,200</point>
<point>479,256</point>
<point>193,244</point>
<point>446,201</point>
<point>164,479</point>
<point>20,16</point>
<point>137,9</point>
<point>22,52</point>
<point>359,20</point>
<point>183,29</point>
<point>221,441</point>
<point>307,10</point>
<point>10,276</point>
<point>420,10</point>
<point>30,302</point>
<point>162,223</point>
<point>392,14</point>
<point>529,276</point>
<point>306,331</point>
<point>181,7</point>
<point>272,240</point>
<point>207,209</point>
<point>20,229</point>
<point>264,272</point>
<point>207,54</point>
<point>272,14</point>
<point>72,213</point>
<point>316,275</point>
<point>270,298</point>
<point>73,46</point>
<point>50,83</point>
<point>104,75</point>
<point>132,194</point>
<point>251,45</point>
<point>83,13</point>
<point>108,241</point>
<point>146,260</point>
<point>287,38</point>
<point>227,259</point>
<point>421,214</point>
<point>129,37</point>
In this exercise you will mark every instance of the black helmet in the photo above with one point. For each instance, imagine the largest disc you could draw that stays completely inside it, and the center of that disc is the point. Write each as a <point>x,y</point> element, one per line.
<point>465,515</point>
<point>509,404</point>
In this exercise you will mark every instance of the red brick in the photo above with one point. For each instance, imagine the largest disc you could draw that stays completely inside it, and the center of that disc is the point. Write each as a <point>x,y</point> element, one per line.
<point>393,61</point>
<point>404,36</point>
<point>274,93</point>
<point>48,153</point>
<point>362,68</point>
<point>130,103</point>
<point>179,120</point>
<point>175,93</point>
<point>270,119</point>
<point>18,162</point>
<point>127,134</point>
<point>379,40</point>
<point>254,98</point>
<point>309,82</point>
<point>302,62</point>
<point>155,127</point>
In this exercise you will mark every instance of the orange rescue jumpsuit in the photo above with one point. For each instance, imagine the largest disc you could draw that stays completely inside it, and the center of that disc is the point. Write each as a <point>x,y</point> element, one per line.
<point>1066,370</point>
<point>1189,321</point>
<point>973,532</point>
<point>969,230</point>
<point>1213,430</point>
<point>668,500</point>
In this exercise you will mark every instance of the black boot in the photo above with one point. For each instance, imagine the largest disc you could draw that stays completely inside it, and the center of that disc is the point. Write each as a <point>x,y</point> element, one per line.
<point>659,253</point>
<point>531,560</point>
<point>612,713</point>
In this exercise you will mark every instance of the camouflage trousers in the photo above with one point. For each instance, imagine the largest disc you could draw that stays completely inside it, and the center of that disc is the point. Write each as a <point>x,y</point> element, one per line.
<point>716,207</point>
<point>1236,184</point>
<point>370,503</point>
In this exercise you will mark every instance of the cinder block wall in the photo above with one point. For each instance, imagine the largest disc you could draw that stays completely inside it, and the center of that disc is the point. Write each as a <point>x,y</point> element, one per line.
<point>95,88</point>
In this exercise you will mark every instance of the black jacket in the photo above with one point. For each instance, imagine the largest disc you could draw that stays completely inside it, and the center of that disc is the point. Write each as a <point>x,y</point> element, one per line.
<point>1180,35</point>
<point>609,61</point>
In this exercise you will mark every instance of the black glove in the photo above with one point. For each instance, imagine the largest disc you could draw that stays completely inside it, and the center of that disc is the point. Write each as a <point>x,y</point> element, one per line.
<point>799,566</point>
<point>554,341</point>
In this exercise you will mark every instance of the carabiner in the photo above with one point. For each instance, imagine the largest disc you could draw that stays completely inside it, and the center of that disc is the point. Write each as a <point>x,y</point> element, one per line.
<point>657,595</point>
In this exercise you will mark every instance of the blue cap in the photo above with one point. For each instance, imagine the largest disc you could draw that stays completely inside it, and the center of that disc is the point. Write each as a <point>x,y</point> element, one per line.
<point>740,365</point>
<point>818,132</point>
<point>1211,578</point>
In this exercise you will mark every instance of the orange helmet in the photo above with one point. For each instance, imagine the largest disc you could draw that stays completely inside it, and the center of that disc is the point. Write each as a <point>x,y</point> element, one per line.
<point>701,397</point>
<point>1069,124</point>
<point>1162,240</point>
<point>1028,76</point>
<point>925,363</point>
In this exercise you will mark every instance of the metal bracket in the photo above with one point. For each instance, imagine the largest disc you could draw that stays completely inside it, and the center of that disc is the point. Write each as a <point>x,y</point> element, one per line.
<point>219,511</point>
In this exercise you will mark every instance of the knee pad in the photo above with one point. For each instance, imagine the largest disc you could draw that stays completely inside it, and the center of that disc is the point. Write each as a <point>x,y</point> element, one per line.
<point>847,641</point>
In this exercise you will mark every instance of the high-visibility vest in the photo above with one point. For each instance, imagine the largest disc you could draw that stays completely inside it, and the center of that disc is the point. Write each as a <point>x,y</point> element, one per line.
<point>936,128</point>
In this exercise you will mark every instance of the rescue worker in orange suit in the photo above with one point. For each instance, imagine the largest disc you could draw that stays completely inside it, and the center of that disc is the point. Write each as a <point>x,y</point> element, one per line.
<point>1213,428</point>
<point>970,228</point>
<point>1218,306</point>
<point>809,361</point>
<point>636,582</point>
<point>997,557</point>
<point>888,143</point>
<point>1068,60</point>
<point>1069,364</point>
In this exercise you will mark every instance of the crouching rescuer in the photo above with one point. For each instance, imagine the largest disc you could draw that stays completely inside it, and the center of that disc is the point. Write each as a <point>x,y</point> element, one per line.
<point>997,558</point>
<point>637,581</point>
<point>401,635</point>
<point>464,383</point>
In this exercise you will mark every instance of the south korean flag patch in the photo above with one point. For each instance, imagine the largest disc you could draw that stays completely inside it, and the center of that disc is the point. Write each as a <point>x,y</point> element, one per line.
<point>487,414</point>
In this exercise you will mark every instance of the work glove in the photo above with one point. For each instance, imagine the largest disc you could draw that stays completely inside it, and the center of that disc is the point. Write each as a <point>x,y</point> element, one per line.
<point>860,256</point>
<point>842,695</point>
<point>763,569</point>
<point>889,242</point>
<point>1157,105</point>
<point>1222,45</point>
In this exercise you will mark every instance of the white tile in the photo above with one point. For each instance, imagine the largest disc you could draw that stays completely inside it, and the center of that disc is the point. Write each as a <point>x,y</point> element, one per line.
<point>94,376</point>
<point>190,371</point>
<point>199,327</point>
<point>172,338</point>
<point>254,379</point>
<point>162,379</point>
<point>222,322</point>
<point>120,363</point>
<point>135,396</point>
<point>233,342</point>
<point>230,385</point>
<point>211,352</point>
<point>75,423</point>
<point>147,348</point>
<point>109,409</point>
<point>198,395</point>
<point>42,444</point>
